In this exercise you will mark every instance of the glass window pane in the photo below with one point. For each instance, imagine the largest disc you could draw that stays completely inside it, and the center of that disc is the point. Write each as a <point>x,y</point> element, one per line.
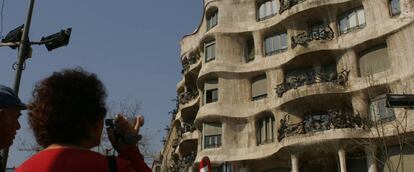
<point>343,25</point>
<point>258,132</point>
<point>269,130</point>
<point>274,7</point>
<point>262,11</point>
<point>263,129</point>
<point>213,51</point>
<point>361,17</point>
<point>395,7</point>
<point>352,20</point>
<point>268,8</point>
<point>284,40</point>
<point>207,53</point>
<point>277,43</point>
<point>273,129</point>
<point>214,96</point>
<point>215,19</point>
<point>268,45</point>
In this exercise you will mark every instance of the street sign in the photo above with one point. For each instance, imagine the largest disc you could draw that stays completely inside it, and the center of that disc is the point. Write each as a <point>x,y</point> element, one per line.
<point>205,165</point>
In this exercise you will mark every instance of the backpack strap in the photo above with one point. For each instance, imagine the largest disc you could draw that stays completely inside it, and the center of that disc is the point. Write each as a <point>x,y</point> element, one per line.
<point>112,163</point>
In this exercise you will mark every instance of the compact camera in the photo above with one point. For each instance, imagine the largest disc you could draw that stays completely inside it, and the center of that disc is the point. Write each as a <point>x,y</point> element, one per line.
<point>126,138</point>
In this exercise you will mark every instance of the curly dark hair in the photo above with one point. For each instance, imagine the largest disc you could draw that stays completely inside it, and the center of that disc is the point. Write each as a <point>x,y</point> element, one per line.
<point>65,106</point>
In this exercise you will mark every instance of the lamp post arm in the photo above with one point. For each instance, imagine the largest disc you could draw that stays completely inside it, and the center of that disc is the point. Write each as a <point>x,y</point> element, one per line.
<point>30,43</point>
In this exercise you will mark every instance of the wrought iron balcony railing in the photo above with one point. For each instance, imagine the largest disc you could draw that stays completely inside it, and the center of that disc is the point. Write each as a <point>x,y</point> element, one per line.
<point>188,96</point>
<point>287,4</point>
<point>190,158</point>
<point>193,59</point>
<point>187,127</point>
<point>310,78</point>
<point>305,37</point>
<point>321,121</point>
<point>186,67</point>
<point>183,164</point>
<point>187,62</point>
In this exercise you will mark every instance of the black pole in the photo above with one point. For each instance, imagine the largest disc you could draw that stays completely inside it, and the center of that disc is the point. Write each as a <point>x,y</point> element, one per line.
<point>23,53</point>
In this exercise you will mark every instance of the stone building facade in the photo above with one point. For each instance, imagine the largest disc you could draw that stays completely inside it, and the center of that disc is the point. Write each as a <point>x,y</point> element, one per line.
<point>295,85</point>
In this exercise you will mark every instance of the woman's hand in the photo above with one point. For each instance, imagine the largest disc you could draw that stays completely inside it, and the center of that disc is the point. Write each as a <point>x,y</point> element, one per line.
<point>125,134</point>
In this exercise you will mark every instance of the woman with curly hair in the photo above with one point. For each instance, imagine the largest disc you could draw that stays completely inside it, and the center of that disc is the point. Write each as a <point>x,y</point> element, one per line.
<point>67,114</point>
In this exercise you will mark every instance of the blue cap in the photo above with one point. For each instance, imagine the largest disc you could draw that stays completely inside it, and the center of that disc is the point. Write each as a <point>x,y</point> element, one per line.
<point>9,99</point>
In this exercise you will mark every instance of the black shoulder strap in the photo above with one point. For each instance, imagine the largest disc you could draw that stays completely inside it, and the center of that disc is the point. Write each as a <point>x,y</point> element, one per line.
<point>112,163</point>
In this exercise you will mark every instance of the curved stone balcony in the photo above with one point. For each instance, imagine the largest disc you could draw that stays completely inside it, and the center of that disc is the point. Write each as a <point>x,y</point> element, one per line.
<point>188,97</point>
<point>311,78</point>
<point>188,142</point>
<point>191,105</point>
<point>180,85</point>
<point>329,120</point>
<point>184,163</point>
<point>190,64</point>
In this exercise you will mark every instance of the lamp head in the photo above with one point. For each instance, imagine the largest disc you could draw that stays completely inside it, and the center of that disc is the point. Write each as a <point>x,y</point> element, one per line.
<point>400,101</point>
<point>57,40</point>
<point>14,36</point>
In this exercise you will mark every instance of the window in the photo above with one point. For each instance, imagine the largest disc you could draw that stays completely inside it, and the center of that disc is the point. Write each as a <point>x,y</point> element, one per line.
<point>212,135</point>
<point>395,8</point>
<point>210,51</point>
<point>265,130</point>
<point>356,161</point>
<point>259,87</point>
<point>352,20</point>
<point>374,60</point>
<point>212,18</point>
<point>398,156</point>
<point>379,111</point>
<point>267,9</point>
<point>249,53</point>
<point>211,91</point>
<point>275,44</point>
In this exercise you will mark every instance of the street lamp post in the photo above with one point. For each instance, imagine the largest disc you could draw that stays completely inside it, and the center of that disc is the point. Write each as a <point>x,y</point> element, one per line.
<point>22,52</point>
<point>53,41</point>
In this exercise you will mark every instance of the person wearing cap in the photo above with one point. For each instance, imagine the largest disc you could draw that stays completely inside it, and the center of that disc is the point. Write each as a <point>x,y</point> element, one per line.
<point>10,107</point>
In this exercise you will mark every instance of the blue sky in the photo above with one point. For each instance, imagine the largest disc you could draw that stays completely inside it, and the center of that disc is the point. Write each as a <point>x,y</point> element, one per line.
<point>132,45</point>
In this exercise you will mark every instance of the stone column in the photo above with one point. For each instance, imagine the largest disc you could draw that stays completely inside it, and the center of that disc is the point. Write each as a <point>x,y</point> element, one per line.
<point>371,160</point>
<point>295,162</point>
<point>342,159</point>
<point>280,76</point>
<point>258,43</point>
